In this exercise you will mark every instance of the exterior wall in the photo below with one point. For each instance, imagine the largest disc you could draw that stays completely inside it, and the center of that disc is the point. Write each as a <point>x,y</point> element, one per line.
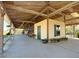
<point>51,28</point>
<point>6,22</point>
<point>43,25</point>
<point>18,31</point>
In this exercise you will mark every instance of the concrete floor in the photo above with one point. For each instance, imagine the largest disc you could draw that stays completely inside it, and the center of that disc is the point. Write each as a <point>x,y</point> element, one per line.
<point>25,47</point>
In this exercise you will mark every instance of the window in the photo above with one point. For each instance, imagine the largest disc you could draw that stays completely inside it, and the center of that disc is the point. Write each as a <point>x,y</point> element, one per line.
<point>56,30</point>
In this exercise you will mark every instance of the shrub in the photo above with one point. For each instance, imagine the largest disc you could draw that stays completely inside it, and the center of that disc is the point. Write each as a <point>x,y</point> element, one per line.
<point>78,34</point>
<point>8,33</point>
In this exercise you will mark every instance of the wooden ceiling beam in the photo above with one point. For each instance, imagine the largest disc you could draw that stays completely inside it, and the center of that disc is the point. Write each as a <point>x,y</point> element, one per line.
<point>45,8</point>
<point>71,9</point>
<point>53,9</point>
<point>21,25</point>
<point>64,8</point>
<point>18,8</point>
<point>72,24</point>
<point>72,19</point>
<point>24,21</point>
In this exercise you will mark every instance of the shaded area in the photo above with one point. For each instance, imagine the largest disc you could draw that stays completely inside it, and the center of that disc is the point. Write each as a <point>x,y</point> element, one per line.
<point>22,46</point>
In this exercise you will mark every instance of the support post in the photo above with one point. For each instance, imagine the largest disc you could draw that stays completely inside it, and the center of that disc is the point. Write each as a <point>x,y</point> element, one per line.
<point>48,29</point>
<point>21,25</point>
<point>73,31</point>
<point>48,24</point>
<point>65,24</point>
<point>10,27</point>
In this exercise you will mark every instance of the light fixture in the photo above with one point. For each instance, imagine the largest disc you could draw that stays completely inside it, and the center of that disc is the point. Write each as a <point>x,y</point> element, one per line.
<point>75,14</point>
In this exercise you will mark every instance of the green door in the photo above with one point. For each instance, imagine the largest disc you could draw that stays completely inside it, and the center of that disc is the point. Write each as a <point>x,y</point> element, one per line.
<point>39,32</point>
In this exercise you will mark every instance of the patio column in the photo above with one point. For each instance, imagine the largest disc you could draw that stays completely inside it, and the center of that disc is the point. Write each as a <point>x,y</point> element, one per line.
<point>65,24</point>
<point>11,29</point>
<point>73,31</point>
<point>71,27</point>
<point>48,23</point>
<point>48,29</point>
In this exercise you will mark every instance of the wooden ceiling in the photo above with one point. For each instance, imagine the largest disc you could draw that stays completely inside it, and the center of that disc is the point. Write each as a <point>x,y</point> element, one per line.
<point>24,12</point>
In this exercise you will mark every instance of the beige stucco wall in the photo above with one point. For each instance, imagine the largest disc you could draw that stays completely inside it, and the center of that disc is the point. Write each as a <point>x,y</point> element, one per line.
<point>51,28</point>
<point>43,25</point>
<point>18,31</point>
<point>6,22</point>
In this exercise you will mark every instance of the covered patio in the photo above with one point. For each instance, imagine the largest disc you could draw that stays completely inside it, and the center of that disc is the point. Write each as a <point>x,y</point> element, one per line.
<point>25,47</point>
<point>24,18</point>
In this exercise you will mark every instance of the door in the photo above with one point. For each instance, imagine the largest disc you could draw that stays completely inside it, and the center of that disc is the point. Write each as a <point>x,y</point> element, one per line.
<point>39,32</point>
